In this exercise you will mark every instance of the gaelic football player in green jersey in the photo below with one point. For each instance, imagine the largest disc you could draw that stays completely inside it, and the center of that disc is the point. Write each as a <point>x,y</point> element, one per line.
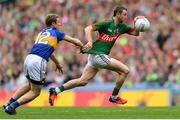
<point>98,51</point>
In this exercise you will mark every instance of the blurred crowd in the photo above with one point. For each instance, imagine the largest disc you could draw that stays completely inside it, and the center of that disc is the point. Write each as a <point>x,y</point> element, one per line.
<point>153,57</point>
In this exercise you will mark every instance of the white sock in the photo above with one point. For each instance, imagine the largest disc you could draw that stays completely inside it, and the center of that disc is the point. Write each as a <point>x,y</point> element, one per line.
<point>57,90</point>
<point>114,97</point>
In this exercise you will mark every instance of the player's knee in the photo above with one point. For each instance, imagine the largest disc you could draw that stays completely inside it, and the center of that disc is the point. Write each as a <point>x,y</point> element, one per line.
<point>126,71</point>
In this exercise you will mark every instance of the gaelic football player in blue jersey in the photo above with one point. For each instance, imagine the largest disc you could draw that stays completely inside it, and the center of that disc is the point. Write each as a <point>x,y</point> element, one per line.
<point>35,63</point>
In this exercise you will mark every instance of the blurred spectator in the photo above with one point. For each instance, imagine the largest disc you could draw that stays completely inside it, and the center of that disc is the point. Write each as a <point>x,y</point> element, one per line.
<point>153,58</point>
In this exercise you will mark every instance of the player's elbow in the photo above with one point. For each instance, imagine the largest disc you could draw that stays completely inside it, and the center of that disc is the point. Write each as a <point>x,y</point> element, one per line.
<point>88,28</point>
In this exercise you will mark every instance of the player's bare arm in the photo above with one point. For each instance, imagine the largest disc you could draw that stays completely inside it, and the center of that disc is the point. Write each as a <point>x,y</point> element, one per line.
<point>88,35</point>
<point>58,66</point>
<point>75,41</point>
<point>134,32</point>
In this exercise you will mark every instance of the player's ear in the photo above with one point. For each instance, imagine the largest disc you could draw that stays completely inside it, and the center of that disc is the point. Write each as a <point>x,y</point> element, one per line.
<point>53,23</point>
<point>117,13</point>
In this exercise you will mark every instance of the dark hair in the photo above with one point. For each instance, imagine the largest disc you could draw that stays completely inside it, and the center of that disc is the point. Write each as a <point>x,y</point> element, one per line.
<point>119,9</point>
<point>50,18</point>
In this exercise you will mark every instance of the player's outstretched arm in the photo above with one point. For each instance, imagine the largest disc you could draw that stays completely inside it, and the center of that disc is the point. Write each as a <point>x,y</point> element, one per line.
<point>75,41</point>
<point>88,35</point>
<point>58,66</point>
<point>134,32</point>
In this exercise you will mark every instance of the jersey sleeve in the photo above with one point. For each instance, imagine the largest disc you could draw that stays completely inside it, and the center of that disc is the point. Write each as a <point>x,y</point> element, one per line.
<point>60,35</point>
<point>101,25</point>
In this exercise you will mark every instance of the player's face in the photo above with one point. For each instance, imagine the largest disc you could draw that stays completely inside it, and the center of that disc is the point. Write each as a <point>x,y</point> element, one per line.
<point>58,23</point>
<point>122,17</point>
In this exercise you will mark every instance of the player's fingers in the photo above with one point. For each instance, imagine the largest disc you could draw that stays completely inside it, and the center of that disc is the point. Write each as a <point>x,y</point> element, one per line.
<point>85,48</point>
<point>62,71</point>
<point>89,45</point>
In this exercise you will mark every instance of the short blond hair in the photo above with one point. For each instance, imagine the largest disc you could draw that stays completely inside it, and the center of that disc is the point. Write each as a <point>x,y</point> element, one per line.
<point>50,18</point>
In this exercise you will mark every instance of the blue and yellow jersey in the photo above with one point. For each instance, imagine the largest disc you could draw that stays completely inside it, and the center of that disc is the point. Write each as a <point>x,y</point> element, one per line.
<point>46,42</point>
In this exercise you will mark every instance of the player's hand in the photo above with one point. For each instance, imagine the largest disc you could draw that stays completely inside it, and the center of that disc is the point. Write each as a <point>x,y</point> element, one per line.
<point>87,47</point>
<point>59,68</point>
<point>79,43</point>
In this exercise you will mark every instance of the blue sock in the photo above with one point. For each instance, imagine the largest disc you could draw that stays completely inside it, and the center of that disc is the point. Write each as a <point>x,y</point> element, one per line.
<point>11,100</point>
<point>15,104</point>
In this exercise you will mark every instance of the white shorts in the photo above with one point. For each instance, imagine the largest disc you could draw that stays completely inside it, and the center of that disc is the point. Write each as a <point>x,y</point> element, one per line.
<point>35,69</point>
<point>98,60</point>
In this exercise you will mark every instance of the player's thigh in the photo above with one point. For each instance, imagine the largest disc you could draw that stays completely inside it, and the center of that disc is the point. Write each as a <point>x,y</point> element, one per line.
<point>35,88</point>
<point>88,73</point>
<point>117,66</point>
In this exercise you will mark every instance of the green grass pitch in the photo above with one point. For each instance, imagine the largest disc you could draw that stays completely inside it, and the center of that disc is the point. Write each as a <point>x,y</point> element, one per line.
<point>93,113</point>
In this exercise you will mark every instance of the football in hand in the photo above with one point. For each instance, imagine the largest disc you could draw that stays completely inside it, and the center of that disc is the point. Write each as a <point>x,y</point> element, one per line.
<point>141,23</point>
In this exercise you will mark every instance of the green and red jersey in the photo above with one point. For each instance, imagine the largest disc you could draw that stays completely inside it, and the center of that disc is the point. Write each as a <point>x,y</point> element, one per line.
<point>108,34</point>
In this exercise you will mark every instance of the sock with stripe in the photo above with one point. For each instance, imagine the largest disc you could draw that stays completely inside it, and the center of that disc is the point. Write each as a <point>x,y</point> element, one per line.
<point>115,93</point>
<point>59,89</point>
<point>11,100</point>
<point>15,104</point>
